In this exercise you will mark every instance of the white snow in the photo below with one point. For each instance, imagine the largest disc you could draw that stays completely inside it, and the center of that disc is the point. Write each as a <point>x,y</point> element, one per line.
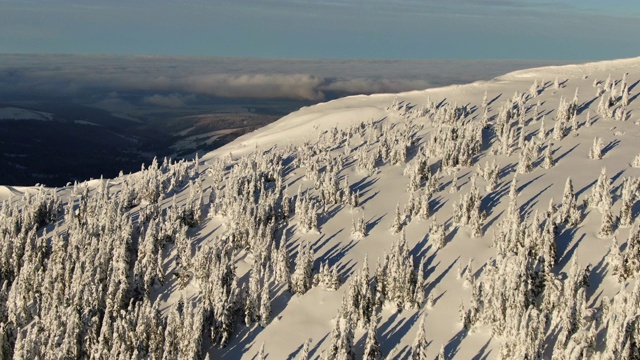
<point>300,317</point>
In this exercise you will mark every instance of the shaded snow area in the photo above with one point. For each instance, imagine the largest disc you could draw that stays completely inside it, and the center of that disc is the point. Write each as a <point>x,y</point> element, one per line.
<point>495,220</point>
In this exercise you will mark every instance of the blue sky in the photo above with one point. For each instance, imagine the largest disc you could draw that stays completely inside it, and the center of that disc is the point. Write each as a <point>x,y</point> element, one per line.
<point>361,29</point>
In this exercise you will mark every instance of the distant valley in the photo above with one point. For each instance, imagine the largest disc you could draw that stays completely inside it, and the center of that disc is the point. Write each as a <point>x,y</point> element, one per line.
<point>66,118</point>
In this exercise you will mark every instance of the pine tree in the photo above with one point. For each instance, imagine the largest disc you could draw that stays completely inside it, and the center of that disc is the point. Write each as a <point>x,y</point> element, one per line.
<point>397,223</point>
<point>629,261</point>
<point>542,133</point>
<point>252,295</point>
<point>437,234</point>
<point>533,90</point>
<point>600,193</point>
<point>372,346</point>
<point>341,346</point>
<point>625,97</point>
<point>477,222</point>
<point>304,353</point>
<point>629,190</point>
<point>425,210</point>
<point>359,227</point>
<point>420,344</point>
<point>282,266</point>
<point>430,301</point>
<point>574,122</point>
<point>616,261</point>
<point>301,279</point>
<point>596,149</point>
<point>636,162</point>
<point>548,157</point>
<point>513,187</point>
<point>559,130</point>
<point>261,354</point>
<point>524,163</point>
<point>454,183</point>
<point>265,305</point>
<point>569,212</point>
<point>607,224</point>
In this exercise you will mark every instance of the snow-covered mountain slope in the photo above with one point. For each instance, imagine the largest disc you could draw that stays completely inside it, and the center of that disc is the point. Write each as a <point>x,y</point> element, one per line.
<point>443,215</point>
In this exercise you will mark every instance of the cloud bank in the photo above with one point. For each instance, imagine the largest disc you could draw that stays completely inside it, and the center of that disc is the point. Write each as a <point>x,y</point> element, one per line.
<point>174,82</point>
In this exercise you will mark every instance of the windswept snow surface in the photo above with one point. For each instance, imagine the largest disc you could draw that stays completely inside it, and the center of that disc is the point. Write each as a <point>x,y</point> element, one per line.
<point>313,139</point>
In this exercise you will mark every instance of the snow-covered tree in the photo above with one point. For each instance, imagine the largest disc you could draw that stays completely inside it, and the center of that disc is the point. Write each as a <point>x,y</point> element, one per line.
<point>629,194</point>
<point>421,343</point>
<point>636,161</point>
<point>302,277</point>
<point>548,161</point>
<point>595,152</point>
<point>601,192</point>
<point>372,346</point>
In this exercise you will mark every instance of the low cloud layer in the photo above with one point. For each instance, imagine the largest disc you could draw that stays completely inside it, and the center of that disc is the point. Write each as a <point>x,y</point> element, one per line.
<point>174,81</point>
<point>168,101</point>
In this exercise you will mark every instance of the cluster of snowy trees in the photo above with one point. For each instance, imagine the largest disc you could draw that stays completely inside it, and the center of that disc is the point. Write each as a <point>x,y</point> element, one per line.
<point>80,275</point>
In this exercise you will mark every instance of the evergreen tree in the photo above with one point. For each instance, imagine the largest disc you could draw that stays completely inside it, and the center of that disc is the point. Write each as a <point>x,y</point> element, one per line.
<point>629,191</point>
<point>372,346</point>
<point>441,354</point>
<point>282,270</point>
<point>397,223</point>
<point>569,212</point>
<point>302,277</point>
<point>261,354</point>
<point>437,234</point>
<point>600,193</point>
<point>420,344</point>
<point>265,305</point>
<point>304,353</point>
<point>542,133</point>
<point>596,149</point>
<point>548,157</point>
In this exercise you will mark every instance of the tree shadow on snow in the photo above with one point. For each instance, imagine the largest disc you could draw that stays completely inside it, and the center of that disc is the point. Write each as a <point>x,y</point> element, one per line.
<point>560,157</point>
<point>525,185</point>
<point>483,354</point>
<point>366,200</point>
<point>610,146</point>
<point>322,241</point>
<point>295,352</point>
<point>438,279</point>
<point>579,192</point>
<point>436,204</point>
<point>527,207</point>
<point>371,223</point>
<point>596,277</point>
<point>419,250</point>
<point>363,185</point>
<point>585,105</point>
<point>336,253</point>
<point>316,348</point>
<point>453,346</point>
<point>490,102</point>
<point>392,334</point>
<point>490,223</point>
<point>564,239</point>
